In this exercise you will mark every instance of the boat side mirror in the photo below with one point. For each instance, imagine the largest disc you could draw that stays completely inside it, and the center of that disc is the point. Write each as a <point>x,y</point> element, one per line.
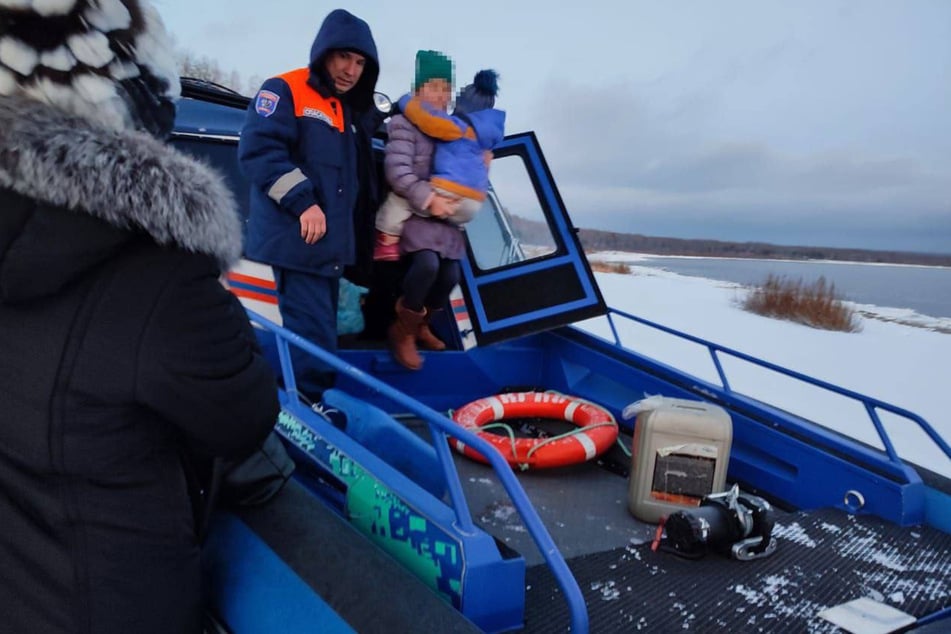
<point>383,103</point>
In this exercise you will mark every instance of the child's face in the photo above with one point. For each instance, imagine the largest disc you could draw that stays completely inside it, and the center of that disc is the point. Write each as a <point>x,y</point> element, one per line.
<point>436,92</point>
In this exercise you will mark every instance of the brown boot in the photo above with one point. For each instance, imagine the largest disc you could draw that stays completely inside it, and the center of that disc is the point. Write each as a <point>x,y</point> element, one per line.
<point>425,337</point>
<point>402,336</point>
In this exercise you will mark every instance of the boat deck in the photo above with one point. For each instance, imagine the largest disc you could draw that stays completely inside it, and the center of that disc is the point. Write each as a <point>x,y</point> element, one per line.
<point>824,558</point>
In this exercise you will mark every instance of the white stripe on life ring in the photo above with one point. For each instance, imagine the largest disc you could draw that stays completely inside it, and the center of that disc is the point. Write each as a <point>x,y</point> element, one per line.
<point>460,446</point>
<point>498,410</point>
<point>590,451</point>
<point>570,411</point>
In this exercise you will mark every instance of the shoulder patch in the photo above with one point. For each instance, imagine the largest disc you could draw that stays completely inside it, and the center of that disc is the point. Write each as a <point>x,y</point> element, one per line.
<point>266,103</point>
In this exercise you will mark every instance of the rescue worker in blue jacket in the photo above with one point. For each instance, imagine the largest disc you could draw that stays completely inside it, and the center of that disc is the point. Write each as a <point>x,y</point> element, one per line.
<point>300,150</point>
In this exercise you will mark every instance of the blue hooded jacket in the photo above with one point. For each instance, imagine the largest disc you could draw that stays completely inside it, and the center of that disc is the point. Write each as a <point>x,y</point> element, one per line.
<point>299,148</point>
<point>458,163</point>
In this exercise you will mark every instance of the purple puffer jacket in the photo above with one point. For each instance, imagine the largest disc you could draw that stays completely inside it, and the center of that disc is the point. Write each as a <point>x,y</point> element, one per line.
<point>408,162</point>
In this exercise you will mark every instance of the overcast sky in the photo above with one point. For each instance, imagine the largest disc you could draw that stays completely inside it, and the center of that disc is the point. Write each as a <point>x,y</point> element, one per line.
<point>816,122</point>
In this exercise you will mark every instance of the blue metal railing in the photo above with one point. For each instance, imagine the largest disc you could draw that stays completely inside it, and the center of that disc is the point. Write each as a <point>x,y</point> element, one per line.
<point>871,405</point>
<point>440,427</point>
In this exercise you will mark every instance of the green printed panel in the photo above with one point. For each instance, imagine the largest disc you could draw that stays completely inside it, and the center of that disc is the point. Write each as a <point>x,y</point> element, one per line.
<point>420,545</point>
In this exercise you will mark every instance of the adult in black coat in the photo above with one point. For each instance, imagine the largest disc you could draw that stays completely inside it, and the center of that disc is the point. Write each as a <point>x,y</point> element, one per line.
<point>123,361</point>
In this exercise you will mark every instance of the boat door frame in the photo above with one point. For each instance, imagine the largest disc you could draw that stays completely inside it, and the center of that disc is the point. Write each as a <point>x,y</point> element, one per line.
<point>530,293</point>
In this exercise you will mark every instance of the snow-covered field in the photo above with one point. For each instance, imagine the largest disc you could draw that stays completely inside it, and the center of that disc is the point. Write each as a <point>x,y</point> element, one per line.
<point>908,366</point>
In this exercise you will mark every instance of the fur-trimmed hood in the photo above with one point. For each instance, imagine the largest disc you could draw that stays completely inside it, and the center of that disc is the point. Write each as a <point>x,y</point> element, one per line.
<point>128,179</point>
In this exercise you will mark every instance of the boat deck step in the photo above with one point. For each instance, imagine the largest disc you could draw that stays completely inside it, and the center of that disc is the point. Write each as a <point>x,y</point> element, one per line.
<point>363,585</point>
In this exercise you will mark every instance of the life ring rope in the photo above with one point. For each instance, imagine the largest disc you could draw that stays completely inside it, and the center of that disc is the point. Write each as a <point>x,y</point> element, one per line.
<point>578,431</point>
<point>618,442</point>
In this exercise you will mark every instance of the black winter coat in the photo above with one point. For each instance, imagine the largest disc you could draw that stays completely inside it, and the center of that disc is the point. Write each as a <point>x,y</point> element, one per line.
<point>122,358</point>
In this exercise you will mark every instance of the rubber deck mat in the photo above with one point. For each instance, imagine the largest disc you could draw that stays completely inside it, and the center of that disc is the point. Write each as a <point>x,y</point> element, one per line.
<point>823,558</point>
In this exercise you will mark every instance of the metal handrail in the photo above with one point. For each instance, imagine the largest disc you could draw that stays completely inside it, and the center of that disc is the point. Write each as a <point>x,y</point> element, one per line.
<point>441,427</point>
<point>871,404</point>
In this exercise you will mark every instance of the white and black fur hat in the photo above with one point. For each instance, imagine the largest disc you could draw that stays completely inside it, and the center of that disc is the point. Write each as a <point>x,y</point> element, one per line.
<point>108,61</point>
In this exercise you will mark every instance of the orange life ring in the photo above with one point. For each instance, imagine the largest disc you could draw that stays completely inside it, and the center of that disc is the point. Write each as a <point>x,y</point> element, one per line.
<point>597,429</point>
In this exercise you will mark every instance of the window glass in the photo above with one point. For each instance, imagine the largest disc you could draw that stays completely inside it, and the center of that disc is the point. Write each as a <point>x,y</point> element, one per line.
<point>512,226</point>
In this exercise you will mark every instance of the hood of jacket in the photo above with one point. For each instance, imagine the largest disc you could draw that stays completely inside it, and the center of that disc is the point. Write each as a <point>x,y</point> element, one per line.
<point>72,192</point>
<point>343,30</point>
<point>489,126</point>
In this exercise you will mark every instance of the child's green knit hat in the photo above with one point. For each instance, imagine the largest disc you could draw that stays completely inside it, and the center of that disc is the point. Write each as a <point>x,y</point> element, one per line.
<point>432,65</point>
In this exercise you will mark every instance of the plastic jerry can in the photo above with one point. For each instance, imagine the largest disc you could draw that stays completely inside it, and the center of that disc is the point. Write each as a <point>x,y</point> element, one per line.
<point>680,453</point>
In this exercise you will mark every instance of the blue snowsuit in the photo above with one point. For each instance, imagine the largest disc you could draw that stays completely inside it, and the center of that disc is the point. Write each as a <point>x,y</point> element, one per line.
<point>459,163</point>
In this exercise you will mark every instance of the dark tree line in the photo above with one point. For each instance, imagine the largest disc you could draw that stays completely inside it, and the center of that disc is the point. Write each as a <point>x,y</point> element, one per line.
<point>598,240</point>
<point>201,67</point>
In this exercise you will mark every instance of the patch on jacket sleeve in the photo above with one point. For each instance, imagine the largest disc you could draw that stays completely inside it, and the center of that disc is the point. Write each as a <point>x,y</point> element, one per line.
<point>266,103</point>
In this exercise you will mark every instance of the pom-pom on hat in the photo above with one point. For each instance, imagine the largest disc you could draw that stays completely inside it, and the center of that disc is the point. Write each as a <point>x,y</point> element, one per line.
<point>480,94</point>
<point>432,65</point>
<point>108,61</point>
